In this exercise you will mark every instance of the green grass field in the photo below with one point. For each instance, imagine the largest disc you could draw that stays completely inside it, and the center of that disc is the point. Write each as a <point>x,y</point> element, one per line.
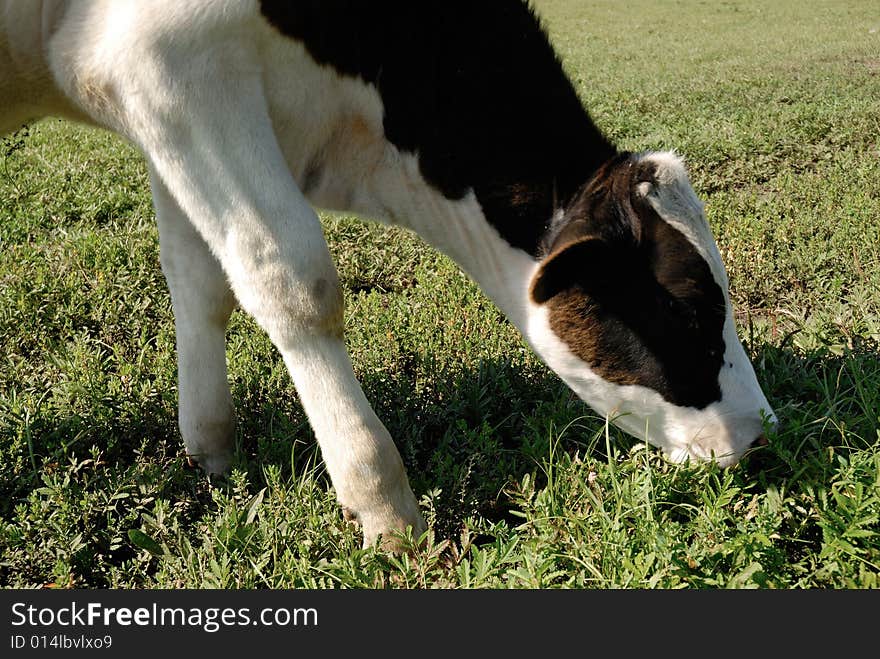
<point>776,108</point>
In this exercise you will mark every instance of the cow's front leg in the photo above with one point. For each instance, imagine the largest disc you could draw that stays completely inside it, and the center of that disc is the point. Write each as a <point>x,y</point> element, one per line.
<point>202,302</point>
<point>216,154</point>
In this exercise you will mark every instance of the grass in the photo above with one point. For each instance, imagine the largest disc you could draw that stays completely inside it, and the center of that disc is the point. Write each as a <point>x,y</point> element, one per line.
<point>774,106</point>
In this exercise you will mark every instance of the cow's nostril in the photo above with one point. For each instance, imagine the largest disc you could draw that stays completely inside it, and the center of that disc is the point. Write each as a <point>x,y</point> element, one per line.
<point>761,441</point>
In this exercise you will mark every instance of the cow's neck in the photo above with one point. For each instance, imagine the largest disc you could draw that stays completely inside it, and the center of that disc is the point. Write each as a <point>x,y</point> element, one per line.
<point>485,138</point>
<point>475,90</point>
<point>459,229</point>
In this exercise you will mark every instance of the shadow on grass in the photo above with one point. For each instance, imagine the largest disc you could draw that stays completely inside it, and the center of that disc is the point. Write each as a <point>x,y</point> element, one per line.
<point>828,406</point>
<point>465,433</point>
<point>111,433</point>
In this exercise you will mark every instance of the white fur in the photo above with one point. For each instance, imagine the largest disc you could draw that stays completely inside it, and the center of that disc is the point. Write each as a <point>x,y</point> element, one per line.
<point>228,114</point>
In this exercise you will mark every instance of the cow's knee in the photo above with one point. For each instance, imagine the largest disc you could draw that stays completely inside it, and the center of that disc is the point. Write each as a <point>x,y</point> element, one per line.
<point>326,316</point>
<point>293,295</point>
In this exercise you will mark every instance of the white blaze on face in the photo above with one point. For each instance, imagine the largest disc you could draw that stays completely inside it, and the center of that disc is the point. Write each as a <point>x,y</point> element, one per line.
<point>721,430</point>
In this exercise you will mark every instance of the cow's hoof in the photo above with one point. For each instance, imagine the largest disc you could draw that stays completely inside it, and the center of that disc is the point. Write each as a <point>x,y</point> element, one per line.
<point>388,529</point>
<point>396,537</point>
<point>216,464</point>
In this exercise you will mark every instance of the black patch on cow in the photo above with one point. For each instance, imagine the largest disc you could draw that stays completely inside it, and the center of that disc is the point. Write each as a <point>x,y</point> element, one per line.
<point>630,295</point>
<point>474,88</point>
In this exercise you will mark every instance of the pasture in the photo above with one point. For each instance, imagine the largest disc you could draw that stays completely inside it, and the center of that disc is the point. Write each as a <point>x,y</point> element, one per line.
<point>776,109</point>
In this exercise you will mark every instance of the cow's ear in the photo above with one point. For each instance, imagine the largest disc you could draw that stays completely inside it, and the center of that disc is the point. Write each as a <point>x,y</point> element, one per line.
<point>588,265</point>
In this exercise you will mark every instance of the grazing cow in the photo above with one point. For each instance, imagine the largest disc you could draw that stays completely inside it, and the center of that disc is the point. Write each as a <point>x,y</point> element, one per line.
<point>454,119</point>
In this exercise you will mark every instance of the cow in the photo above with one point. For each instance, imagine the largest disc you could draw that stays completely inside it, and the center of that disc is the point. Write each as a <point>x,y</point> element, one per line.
<point>454,119</point>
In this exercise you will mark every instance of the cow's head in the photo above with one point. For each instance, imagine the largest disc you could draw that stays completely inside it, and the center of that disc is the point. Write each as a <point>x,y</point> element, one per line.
<point>630,307</point>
